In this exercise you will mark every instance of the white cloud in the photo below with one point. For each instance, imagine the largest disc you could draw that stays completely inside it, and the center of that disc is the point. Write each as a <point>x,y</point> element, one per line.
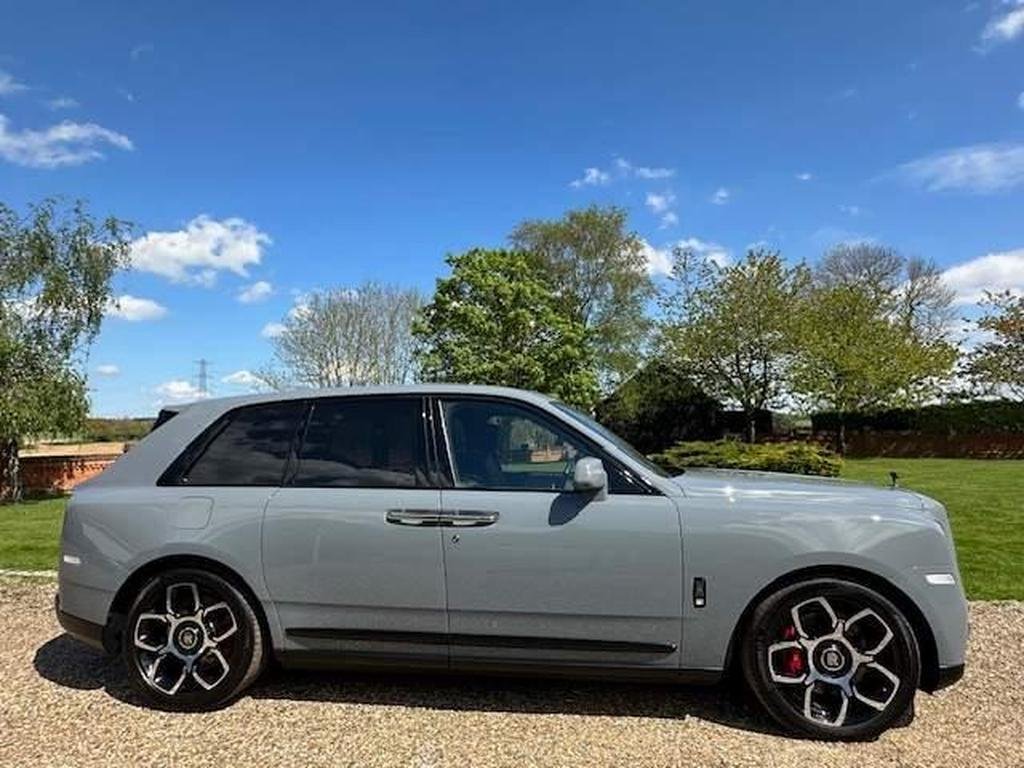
<point>204,247</point>
<point>272,330</point>
<point>626,168</point>
<point>63,144</point>
<point>140,50</point>
<point>977,168</point>
<point>179,391</point>
<point>61,102</point>
<point>592,177</point>
<point>256,292</point>
<point>134,309</point>
<point>660,203</point>
<point>1020,100</point>
<point>710,251</point>
<point>992,272</point>
<point>8,84</point>
<point>804,176</point>
<point>243,378</point>
<point>659,260</point>
<point>669,219</point>
<point>108,369</point>
<point>1004,28</point>
<point>851,210</point>
<point>721,196</point>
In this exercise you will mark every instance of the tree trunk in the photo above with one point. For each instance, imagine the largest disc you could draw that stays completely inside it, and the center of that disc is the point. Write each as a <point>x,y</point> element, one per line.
<point>10,476</point>
<point>751,417</point>
<point>841,436</point>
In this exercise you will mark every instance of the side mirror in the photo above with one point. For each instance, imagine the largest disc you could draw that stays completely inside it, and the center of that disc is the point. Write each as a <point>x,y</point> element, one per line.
<point>589,477</point>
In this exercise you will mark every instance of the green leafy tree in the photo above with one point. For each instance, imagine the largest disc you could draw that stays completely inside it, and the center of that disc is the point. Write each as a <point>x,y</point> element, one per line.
<point>496,321</point>
<point>731,329</point>
<point>56,267</point>
<point>855,356</point>
<point>598,268</point>
<point>996,365</point>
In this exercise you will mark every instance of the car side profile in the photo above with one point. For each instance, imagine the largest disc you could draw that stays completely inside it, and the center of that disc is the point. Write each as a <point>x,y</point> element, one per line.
<point>482,528</point>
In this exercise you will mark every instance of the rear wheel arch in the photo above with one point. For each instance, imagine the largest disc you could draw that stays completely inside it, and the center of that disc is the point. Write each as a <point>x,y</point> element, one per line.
<point>922,631</point>
<point>126,594</point>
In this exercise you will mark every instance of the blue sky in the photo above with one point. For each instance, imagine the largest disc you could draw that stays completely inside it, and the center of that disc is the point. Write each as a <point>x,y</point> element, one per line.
<point>267,149</point>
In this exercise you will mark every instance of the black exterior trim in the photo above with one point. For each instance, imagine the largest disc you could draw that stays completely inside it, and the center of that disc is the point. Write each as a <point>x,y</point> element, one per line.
<point>89,633</point>
<point>487,641</point>
<point>428,665</point>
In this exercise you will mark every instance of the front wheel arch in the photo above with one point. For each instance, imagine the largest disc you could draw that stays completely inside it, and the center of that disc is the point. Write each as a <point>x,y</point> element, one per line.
<point>922,631</point>
<point>125,596</point>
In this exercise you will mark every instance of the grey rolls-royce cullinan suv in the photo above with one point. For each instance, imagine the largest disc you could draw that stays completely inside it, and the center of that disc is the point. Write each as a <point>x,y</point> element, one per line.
<point>480,528</point>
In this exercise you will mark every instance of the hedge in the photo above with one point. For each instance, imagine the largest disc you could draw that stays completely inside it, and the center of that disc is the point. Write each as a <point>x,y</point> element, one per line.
<point>975,417</point>
<point>794,458</point>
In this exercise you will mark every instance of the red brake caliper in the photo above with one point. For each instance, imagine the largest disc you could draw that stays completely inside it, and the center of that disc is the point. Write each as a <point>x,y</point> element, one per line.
<point>793,661</point>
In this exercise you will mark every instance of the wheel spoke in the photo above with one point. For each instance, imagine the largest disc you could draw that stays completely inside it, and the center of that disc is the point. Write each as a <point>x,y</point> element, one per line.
<point>161,673</point>
<point>791,646</point>
<point>809,711</point>
<point>807,607</point>
<point>875,703</point>
<point>865,618</point>
<point>210,664</point>
<point>183,599</point>
<point>142,637</point>
<point>219,622</point>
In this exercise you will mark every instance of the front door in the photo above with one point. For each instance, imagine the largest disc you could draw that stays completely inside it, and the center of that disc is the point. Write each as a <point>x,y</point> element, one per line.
<point>351,551</point>
<point>538,573</point>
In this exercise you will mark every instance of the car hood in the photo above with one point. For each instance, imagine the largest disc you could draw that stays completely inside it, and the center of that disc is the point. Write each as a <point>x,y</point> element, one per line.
<point>743,484</point>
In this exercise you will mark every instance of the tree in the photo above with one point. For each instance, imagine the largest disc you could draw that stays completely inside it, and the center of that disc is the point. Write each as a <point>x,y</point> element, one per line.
<point>909,289</point>
<point>997,364</point>
<point>56,267</point>
<point>855,355</point>
<point>732,328</point>
<point>599,270</point>
<point>496,321</point>
<point>658,407</point>
<point>346,337</point>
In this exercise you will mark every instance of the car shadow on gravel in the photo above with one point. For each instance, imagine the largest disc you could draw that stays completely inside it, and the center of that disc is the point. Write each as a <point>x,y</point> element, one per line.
<point>66,662</point>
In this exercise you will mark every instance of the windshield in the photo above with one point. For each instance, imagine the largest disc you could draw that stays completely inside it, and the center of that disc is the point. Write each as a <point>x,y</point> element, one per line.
<point>611,437</point>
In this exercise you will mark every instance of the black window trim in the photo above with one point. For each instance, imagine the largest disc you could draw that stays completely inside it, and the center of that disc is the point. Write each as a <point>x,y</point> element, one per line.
<point>440,437</point>
<point>424,437</point>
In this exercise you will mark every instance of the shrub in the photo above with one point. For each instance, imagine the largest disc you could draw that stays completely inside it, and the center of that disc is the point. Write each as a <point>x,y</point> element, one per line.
<point>795,458</point>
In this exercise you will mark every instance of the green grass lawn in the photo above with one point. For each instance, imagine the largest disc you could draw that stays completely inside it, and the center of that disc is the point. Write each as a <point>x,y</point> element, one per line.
<point>985,501</point>
<point>29,533</point>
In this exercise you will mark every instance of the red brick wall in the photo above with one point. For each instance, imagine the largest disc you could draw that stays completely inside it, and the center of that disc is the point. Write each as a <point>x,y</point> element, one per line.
<point>53,474</point>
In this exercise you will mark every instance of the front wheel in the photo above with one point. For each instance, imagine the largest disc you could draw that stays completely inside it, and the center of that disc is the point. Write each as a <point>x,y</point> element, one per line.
<point>192,641</point>
<point>832,659</point>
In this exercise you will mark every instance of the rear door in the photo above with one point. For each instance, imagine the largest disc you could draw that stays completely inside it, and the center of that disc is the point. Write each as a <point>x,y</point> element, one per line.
<point>351,548</point>
<point>537,573</point>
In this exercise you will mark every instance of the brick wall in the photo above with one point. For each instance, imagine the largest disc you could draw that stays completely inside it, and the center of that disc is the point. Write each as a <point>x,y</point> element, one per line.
<point>56,474</point>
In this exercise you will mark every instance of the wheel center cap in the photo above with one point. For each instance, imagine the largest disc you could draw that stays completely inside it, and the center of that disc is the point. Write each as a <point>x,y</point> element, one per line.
<point>188,638</point>
<point>832,659</point>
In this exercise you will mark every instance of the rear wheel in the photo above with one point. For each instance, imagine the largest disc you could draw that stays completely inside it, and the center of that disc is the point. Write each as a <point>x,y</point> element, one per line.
<point>192,641</point>
<point>832,659</point>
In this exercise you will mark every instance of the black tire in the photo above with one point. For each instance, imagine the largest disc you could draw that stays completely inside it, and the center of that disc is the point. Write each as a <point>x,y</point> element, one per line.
<point>170,661</point>
<point>813,650</point>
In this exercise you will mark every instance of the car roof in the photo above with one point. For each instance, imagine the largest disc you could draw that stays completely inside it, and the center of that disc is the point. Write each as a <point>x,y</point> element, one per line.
<point>224,403</point>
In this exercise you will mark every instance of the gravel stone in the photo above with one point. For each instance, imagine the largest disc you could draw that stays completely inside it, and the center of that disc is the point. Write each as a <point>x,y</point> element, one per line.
<point>62,704</point>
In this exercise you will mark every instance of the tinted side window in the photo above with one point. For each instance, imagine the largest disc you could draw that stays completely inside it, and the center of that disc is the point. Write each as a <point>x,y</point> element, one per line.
<point>363,442</point>
<point>251,449</point>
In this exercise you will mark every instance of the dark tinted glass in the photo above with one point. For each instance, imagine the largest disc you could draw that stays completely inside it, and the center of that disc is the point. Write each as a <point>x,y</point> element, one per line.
<point>372,443</point>
<point>252,449</point>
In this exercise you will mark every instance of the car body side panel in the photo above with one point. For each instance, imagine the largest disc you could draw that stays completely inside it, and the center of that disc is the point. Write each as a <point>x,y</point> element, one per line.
<point>113,531</point>
<point>742,539</point>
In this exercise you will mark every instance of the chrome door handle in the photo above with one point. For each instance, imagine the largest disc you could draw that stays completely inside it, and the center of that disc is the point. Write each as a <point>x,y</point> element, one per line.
<point>420,517</point>
<point>468,518</point>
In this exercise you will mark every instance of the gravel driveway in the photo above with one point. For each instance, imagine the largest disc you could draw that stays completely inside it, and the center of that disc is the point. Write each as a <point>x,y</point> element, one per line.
<point>63,705</point>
